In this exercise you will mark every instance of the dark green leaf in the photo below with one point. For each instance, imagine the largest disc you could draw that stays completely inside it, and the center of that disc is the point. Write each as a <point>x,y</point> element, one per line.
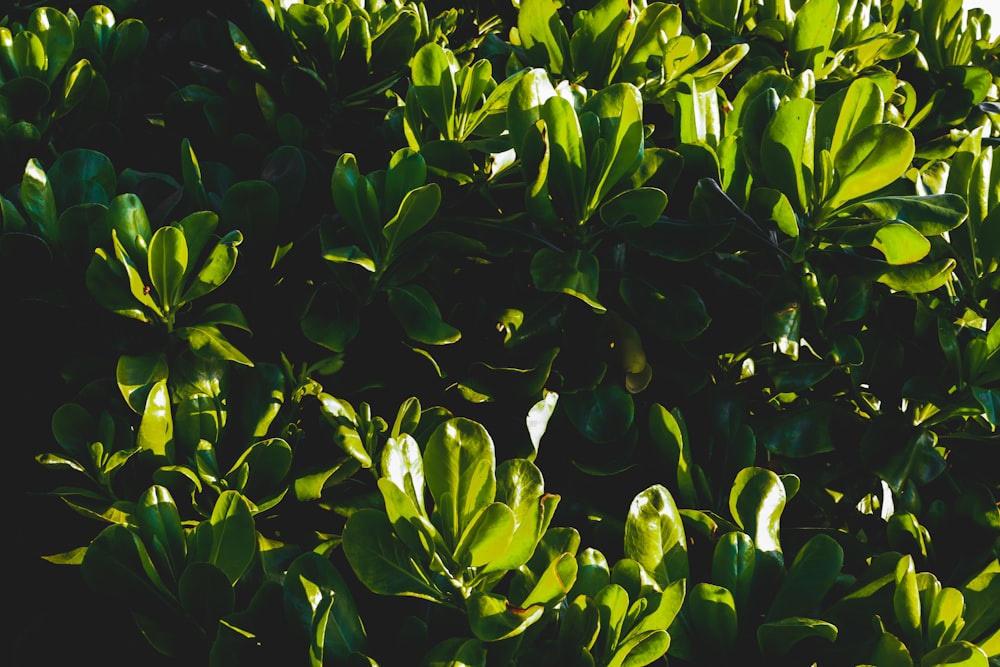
<point>420,317</point>
<point>779,637</point>
<point>573,272</point>
<point>602,415</point>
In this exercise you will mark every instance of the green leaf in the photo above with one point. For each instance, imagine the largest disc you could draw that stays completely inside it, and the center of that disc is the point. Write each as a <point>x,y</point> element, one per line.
<point>456,652</point>
<point>811,34</point>
<point>416,210</point>
<point>78,84</point>
<point>596,47</point>
<point>38,198</point>
<point>981,611</point>
<point>309,579</point>
<point>660,609</point>
<point>209,343</point>
<point>55,32</point>
<point>29,55</point>
<point>418,314</point>
<point>756,501</point>
<point>521,488</point>
<point>603,415</point>
<point>812,574</point>
<point>526,100</point>
<point>554,583</point>
<point>712,614</point>
<point>543,35</point>
<point>136,376</point>
<point>772,205</point>
<point>205,593</point>
<point>355,201</point>
<point>844,114</point>
<point>113,566</point>
<point>567,168</point>
<point>930,215</point>
<point>573,272</point>
<point>538,419</point>
<point>642,205</point>
<point>407,171</point>
<point>959,654</point>
<point>919,278</point>
<point>268,461</point>
<point>403,465</point>
<point>673,311</point>
<point>900,243</point>
<point>82,176</point>
<point>669,434</point>
<point>493,618</point>
<point>128,218</point>
<point>906,600</point>
<point>870,160</point>
<point>889,651</point>
<point>733,566</point>
<point>254,208</point>
<point>156,430</point>
<point>654,536</point>
<point>434,85</point>
<point>619,110</point>
<point>234,537</point>
<point>194,191</point>
<point>159,525</point>
<point>802,432</point>
<point>786,148</point>
<point>460,469</point>
<point>487,536</point>
<point>777,638</point>
<point>945,621</point>
<point>640,650</point>
<point>168,261</point>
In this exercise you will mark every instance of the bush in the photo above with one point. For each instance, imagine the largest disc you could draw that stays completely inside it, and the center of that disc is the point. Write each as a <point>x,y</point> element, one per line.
<point>314,293</point>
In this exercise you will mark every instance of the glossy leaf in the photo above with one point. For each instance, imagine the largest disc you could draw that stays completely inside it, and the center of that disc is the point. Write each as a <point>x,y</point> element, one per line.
<point>554,583</point>
<point>654,535</point>
<point>380,560</point>
<point>520,487</point>
<point>156,430</point>
<point>756,502</point>
<point>733,566</point>
<point>901,243</point>
<point>786,148</point>
<point>415,211</point>
<point>919,278</point>
<point>168,261</point>
<point>962,654</point>
<point>234,538</point>
<point>460,469</point>
<point>811,33</point>
<point>872,159</point>
<point>670,437</point>
<point>487,536</point>
<point>493,618</point>
<point>160,527</point>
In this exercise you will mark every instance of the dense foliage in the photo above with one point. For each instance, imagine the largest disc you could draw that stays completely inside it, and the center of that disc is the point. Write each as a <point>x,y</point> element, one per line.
<point>312,294</point>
